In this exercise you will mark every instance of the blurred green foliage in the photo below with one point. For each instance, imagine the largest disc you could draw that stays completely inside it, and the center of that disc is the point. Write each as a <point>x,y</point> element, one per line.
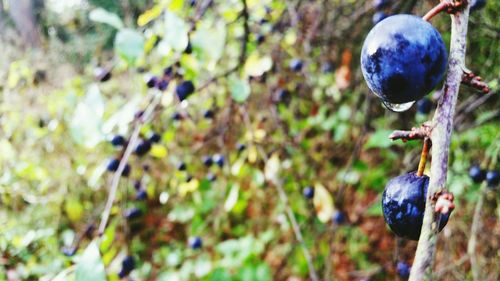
<point>330,133</point>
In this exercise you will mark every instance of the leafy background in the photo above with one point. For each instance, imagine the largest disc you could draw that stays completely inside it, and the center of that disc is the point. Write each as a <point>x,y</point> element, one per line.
<point>329,132</point>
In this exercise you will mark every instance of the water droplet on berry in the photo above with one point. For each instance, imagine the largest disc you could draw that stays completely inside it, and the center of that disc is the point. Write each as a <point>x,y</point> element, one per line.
<point>398,107</point>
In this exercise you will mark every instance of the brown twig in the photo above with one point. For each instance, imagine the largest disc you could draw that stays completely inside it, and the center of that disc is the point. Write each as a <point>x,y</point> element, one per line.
<point>421,133</point>
<point>423,156</point>
<point>472,80</point>
<point>442,128</point>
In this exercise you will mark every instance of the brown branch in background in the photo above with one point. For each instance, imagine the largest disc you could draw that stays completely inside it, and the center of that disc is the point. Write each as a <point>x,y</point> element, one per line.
<point>442,128</point>
<point>474,81</point>
<point>421,133</point>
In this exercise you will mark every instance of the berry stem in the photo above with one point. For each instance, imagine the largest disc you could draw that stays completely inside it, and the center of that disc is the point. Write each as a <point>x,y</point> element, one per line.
<point>442,127</point>
<point>445,5</point>
<point>423,157</point>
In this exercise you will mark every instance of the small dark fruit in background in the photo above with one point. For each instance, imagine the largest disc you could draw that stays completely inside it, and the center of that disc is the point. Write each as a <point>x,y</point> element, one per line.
<point>195,242</point>
<point>142,147</point>
<point>177,116</point>
<point>492,178</point>
<point>403,269</point>
<point>102,74</point>
<point>403,205</point>
<point>209,114</point>
<point>207,160</point>
<point>218,159</point>
<point>380,4</point>
<point>113,165</point>
<point>477,174</point>
<point>403,58</point>
<point>477,4</point>
<point>308,192</point>
<point>424,106</point>
<point>118,140</point>
<point>152,81</point>
<point>141,195</point>
<point>154,137</point>
<point>162,85</point>
<point>327,67</point>
<point>240,147</point>
<point>378,17</point>
<point>296,65</point>
<point>181,166</point>
<point>338,217</point>
<point>132,213</point>
<point>128,264</point>
<point>184,90</point>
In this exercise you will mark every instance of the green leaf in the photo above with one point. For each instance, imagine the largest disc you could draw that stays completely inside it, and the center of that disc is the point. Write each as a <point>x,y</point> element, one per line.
<point>210,40</point>
<point>129,45</point>
<point>379,139</point>
<point>86,123</point>
<point>90,266</point>
<point>256,65</point>
<point>240,89</point>
<point>176,32</point>
<point>103,16</point>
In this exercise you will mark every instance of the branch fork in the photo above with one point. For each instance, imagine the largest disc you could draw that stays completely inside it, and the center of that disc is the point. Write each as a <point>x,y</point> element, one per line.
<point>448,6</point>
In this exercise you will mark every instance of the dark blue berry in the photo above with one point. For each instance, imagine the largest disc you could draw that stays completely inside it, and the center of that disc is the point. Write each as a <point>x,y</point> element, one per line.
<point>189,178</point>
<point>403,204</point>
<point>181,166</point>
<point>492,178</point>
<point>403,269</point>
<point>207,160</point>
<point>308,192</point>
<point>424,106</point>
<point>162,85</point>
<point>338,217</point>
<point>137,185</point>
<point>113,165</point>
<point>327,67</point>
<point>477,4</point>
<point>403,58</point>
<point>128,264</point>
<point>240,147</point>
<point>184,90</point>
<point>142,147</point>
<point>118,140</point>
<point>283,96</point>
<point>477,174</point>
<point>177,116</point>
<point>189,48</point>
<point>154,137</point>
<point>69,251</point>
<point>209,114</point>
<point>218,159</point>
<point>132,213</point>
<point>141,195</point>
<point>102,74</point>
<point>192,3</point>
<point>378,17</point>
<point>126,170</point>
<point>195,243</point>
<point>211,177</point>
<point>380,4</point>
<point>152,81</point>
<point>296,65</point>
<point>168,71</point>
<point>260,38</point>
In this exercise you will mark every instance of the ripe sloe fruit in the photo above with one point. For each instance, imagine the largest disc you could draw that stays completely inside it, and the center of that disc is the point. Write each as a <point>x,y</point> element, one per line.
<point>403,269</point>
<point>477,4</point>
<point>492,178</point>
<point>338,217</point>
<point>218,159</point>
<point>132,213</point>
<point>113,165</point>
<point>152,81</point>
<point>207,160</point>
<point>118,140</point>
<point>403,205</point>
<point>162,85</point>
<point>308,192</point>
<point>154,137</point>
<point>477,174</point>
<point>195,242</point>
<point>128,264</point>
<point>403,58</point>
<point>142,147</point>
<point>184,90</point>
<point>296,65</point>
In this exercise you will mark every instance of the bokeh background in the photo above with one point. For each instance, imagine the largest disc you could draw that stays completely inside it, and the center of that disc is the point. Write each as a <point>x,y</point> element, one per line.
<point>276,129</point>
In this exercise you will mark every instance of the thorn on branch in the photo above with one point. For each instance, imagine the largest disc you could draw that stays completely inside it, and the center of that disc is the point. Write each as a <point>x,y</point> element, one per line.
<point>472,80</point>
<point>420,133</point>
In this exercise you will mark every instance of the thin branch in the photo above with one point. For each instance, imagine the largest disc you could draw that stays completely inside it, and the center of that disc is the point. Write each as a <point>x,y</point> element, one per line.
<point>442,128</point>
<point>471,245</point>
<point>150,109</point>
<point>472,80</point>
<point>421,133</point>
<point>284,199</point>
